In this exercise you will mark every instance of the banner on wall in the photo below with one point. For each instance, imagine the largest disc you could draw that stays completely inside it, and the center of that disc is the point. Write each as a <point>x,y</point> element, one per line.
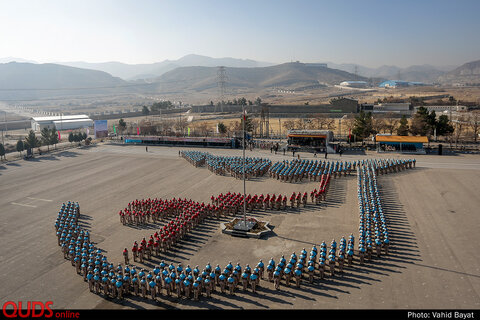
<point>100,128</point>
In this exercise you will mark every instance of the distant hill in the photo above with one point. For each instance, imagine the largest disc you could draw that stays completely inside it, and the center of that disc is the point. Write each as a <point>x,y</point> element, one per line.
<point>14,75</point>
<point>468,73</point>
<point>17,80</point>
<point>423,73</point>
<point>152,70</point>
<point>287,75</point>
<point>12,59</point>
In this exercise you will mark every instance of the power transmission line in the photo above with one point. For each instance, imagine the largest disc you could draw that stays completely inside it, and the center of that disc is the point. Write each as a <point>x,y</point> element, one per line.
<point>222,81</point>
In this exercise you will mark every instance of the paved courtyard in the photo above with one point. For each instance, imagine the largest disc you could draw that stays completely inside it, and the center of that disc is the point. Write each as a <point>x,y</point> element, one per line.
<point>432,212</point>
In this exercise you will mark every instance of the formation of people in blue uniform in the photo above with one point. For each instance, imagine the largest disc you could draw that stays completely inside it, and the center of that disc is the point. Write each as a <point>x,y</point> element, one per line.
<point>295,170</point>
<point>221,165</point>
<point>373,231</point>
<point>184,282</point>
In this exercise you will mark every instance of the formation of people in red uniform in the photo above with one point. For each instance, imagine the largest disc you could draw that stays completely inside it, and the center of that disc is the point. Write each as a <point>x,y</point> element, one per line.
<point>183,215</point>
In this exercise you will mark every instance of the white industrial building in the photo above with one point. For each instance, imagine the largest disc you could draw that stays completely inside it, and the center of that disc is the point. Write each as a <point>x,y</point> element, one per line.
<point>392,107</point>
<point>63,122</point>
<point>354,84</point>
<point>443,108</point>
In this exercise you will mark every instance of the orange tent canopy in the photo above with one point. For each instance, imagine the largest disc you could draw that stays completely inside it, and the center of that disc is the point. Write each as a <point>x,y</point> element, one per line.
<point>402,139</point>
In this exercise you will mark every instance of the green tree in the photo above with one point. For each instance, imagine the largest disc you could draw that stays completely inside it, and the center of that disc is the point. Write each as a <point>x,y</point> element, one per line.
<point>20,146</point>
<point>242,101</point>
<point>2,151</point>
<point>258,101</point>
<point>77,137</point>
<point>145,110</point>
<point>362,126</point>
<point>403,127</point>
<point>122,125</point>
<point>431,122</point>
<point>444,127</point>
<point>222,128</point>
<point>54,136</point>
<point>71,137</point>
<point>31,141</point>
<point>46,137</point>
<point>161,105</point>
<point>421,122</point>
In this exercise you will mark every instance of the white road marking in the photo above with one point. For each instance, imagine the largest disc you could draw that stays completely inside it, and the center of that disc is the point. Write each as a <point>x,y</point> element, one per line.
<point>39,199</point>
<point>25,205</point>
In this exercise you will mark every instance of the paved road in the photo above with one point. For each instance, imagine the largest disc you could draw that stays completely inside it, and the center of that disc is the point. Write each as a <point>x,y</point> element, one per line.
<point>432,213</point>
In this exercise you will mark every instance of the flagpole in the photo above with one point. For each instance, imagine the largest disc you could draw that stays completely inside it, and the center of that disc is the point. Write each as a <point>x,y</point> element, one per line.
<point>244,184</point>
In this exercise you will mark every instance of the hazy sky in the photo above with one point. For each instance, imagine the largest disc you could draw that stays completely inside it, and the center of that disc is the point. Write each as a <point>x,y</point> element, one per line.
<point>370,33</point>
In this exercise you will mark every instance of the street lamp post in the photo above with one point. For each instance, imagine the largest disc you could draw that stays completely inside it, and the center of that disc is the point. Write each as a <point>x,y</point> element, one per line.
<point>244,183</point>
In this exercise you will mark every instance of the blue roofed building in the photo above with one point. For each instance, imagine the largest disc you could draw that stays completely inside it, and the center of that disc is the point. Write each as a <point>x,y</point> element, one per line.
<point>399,84</point>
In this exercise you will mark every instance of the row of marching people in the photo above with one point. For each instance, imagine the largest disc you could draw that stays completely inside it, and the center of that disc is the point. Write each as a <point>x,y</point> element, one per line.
<point>221,165</point>
<point>185,282</point>
<point>385,166</point>
<point>191,214</point>
<point>297,170</point>
<point>373,231</point>
<point>254,167</point>
<point>196,158</point>
<point>87,259</point>
<point>141,212</point>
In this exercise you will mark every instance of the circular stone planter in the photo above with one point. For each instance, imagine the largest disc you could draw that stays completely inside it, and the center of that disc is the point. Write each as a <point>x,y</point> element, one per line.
<point>254,228</point>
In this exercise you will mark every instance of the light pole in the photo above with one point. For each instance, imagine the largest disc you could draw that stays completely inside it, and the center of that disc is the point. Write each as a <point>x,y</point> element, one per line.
<point>244,183</point>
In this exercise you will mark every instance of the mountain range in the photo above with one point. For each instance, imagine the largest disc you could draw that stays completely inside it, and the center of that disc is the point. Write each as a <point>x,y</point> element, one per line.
<point>291,75</point>
<point>153,70</point>
<point>199,73</point>
<point>468,73</point>
<point>422,73</point>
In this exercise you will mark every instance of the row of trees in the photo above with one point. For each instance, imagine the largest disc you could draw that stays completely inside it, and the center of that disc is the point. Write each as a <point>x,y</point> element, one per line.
<point>423,123</point>
<point>238,102</point>
<point>48,137</point>
<point>157,106</point>
<point>361,126</point>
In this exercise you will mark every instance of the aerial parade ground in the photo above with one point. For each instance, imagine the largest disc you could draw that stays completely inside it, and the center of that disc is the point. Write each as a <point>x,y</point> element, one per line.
<point>430,209</point>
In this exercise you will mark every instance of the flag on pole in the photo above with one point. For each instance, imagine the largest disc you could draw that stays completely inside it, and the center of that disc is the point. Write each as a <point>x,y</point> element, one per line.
<point>88,131</point>
<point>188,131</point>
<point>114,130</point>
<point>138,131</point>
<point>217,128</point>
<point>59,137</point>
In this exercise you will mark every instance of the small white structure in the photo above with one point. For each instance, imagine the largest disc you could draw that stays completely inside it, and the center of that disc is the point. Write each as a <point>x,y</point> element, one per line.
<point>443,108</point>
<point>391,107</point>
<point>63,122</point>
<point>354,84</point>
